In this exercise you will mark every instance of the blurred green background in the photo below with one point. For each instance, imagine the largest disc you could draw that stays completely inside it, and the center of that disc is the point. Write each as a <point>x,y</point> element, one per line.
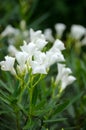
<point>42,13</point>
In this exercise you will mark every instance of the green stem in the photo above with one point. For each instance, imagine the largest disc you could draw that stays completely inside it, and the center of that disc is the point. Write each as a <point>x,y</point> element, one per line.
<point>37,81</point>
<point>17,121</point>
<point>31,95</point>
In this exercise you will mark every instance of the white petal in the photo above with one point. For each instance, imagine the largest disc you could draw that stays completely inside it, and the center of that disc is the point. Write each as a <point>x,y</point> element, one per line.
<point>12,50</point>
<point>48,35</point>
<point>21,57</point>
<point>58,44</point>
<point>37,38</point>
<point>36,68</point>
<point>9,30</point>
<point>77,31</point>
<point>29,48</point>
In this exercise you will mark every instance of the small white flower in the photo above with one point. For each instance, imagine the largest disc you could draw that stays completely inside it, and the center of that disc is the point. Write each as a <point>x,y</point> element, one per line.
<point>39,63</point>
<point>64,76</point>
<point>8,64</point>
<point>39,56</point>
<point>58,45</point>
<point>29,48</point>
<point>48,35</point>
<point>21,57</point>
<point>9,30</point>
<point>77,31</point>
<point>38,68</point>
<point>53,57</point>
<point>54,54</point>
<point>38,39</point>
<point>12,50</point>
<point>34,35</point>
<point>60,27</point>
<point>40,44</point>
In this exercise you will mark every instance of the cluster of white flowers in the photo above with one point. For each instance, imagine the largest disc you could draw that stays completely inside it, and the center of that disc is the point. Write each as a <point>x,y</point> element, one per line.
<point>31,57</point>
<point>77,33</point>
<point>59,28</point>
<point>15,35</point>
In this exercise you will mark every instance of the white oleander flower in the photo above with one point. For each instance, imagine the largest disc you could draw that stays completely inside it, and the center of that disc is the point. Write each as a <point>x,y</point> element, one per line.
<point>39,63</point>
<point>8,64</point>
<point>54,54</point>
<point>38,68</point>
<point>38,39</point>
<point>64,76</point>
<point>21,58</point>
<point>12,50</point>
<point>9,30</point>
<point>60,27</point>
<point>29,48</point>
<point>77,31</point>
<point>48,35</point>
<point>53,57</point>
<point>58,45</point>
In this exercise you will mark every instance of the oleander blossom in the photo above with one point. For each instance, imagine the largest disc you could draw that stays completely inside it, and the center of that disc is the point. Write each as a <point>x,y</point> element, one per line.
<point>16,35</point>
<point>60,27</point>
<point>64,76</point>
<point>39,64</point>
<point>8,64</point>
<point>38,39</point>
<point>9,30</point>
<point>77,31</point>
<point>48,35</point>
<point>29,48</point>
<point>12,50</point>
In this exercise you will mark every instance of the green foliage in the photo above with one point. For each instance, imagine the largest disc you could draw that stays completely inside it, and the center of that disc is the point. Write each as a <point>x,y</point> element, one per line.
<point>38,113</point>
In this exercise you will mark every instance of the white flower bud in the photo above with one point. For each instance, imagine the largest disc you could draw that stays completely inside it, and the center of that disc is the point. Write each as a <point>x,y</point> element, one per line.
<point>48,35</point>
<point>60,27</point>
<point>77,31</point>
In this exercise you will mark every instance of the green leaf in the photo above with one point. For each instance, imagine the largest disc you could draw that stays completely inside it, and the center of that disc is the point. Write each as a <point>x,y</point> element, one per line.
<point>39,20</point>
<point>54,121</point>
<point>31,11</point>
<point>5,100</point>
<point>35,95</point>
<point>64,105</point>
<point>2,84</point>
<point>61,107</point>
